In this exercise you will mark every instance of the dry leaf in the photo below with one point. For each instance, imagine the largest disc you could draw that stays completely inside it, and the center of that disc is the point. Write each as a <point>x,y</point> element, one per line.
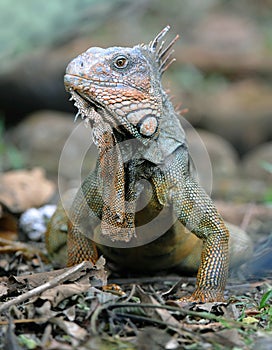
<point>3,289</point>
<point>71,328</point>
<point>95,273</point>
<point>57,294</point>
<point>159,313</point>
<point>165,315</point>
<point>27,250</point>
<point>229,338</point>
<point>8,224</point>
<point>38,279</point>
<point>154,338</point>
<point>23,189</point>
<point>216,308</point>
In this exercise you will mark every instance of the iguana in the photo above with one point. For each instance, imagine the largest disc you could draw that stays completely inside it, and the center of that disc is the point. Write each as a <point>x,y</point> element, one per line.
<point>141,207</point>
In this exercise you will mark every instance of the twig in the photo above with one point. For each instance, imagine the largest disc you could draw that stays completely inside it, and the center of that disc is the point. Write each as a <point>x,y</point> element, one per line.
<point>50,284</point>
<point>177,310</point>
<point>28,320</point>
<point>132,292</point>
<point>151,279</point>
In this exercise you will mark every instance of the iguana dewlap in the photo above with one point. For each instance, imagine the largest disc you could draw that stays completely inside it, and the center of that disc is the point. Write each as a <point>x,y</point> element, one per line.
<point>143,176</point>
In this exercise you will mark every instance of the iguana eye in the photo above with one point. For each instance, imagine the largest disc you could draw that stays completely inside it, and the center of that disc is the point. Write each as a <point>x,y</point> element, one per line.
<point>120,62</point>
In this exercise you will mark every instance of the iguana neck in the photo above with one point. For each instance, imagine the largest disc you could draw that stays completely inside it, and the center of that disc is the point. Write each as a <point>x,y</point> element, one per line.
<point>171,135</point>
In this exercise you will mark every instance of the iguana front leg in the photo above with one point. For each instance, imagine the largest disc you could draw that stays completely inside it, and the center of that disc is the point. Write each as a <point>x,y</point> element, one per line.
<point>196,211</point>
<point>83,217</point>
<point>174,185</point>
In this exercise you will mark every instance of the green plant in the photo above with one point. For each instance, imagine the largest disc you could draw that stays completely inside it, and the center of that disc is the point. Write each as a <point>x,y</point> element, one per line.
<point>10,156</point>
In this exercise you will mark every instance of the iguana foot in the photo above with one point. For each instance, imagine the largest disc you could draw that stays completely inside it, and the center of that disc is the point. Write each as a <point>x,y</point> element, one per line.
<point>203,296</point>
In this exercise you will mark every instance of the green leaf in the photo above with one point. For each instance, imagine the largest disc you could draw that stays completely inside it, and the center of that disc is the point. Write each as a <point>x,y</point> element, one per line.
<point>265,298</point>
<point>27,342</point>
<point>250,320</point>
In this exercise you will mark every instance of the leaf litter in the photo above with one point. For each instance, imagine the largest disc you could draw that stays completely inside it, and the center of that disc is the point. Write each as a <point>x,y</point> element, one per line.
<point>85,307</point>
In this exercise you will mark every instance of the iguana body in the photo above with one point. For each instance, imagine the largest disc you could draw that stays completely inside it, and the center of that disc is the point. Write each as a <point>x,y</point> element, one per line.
<point>136,129</point>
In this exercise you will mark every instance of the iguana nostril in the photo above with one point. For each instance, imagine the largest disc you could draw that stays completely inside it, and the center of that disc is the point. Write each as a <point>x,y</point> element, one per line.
<point>81,63</point>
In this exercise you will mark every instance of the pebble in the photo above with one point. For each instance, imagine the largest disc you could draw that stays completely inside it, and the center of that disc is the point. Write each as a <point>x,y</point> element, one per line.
<point>33,222</point>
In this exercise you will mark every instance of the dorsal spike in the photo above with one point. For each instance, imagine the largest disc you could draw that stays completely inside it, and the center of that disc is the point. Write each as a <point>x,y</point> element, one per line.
<point>154,43</point>
<point>162,54</point>
<point>166,65</point>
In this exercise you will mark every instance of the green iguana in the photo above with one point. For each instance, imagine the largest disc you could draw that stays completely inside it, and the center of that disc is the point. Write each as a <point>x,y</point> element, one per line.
<point>141,207</point>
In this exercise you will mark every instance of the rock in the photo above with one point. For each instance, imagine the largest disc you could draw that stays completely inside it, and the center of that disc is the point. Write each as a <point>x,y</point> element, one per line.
<point>257,163</point>
<point>238,189</point>
<point>221,31</point>
<point>223,156</point>
<point>33,222</point>
<point>52,140</point>
<point>228,43</point>
<point>241,113</point>
<point>240,213</point>
<point>220,171</point>
<point>214,158</point>
<point>255,219</point>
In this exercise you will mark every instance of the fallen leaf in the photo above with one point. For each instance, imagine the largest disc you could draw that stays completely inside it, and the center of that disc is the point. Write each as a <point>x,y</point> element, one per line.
<point>70,328</point>
<point>59,293</point>
<point>23,189</point>
<point>250,320</point>
<point>44,310</point>
<point>154,338</point>
<point>229,338</point>
<point>216,308</point>
<point>3,290</point>
<point>95,273</point>
<point>28,251</point>
<point>8,224</point>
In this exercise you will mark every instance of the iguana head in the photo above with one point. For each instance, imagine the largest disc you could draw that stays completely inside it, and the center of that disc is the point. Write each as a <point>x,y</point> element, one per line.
<point>123,85</point>
<point>119,89</point>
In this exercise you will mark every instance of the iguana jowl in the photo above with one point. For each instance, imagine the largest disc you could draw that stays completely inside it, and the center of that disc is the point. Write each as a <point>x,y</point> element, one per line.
<point>136,129</point>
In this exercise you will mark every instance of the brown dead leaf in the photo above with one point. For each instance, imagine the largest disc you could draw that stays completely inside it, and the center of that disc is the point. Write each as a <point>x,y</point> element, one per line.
<point>204,327</point>
<point>45,311</point>
<point>89,269</point>
<point>37,279</point>
<point>154,338</point>
<point>8,224</point>
<point>114,289</point>
<point>28,251</point>
<point>216,308</point>
<point>70,313</point>
<point>95,273</point>
<point>165,315</point>
<point>57,294</point>
<point>23,189</point>
<point>71,328</point>
<point>3,290</point>
<point>159,313</point>
<point>229,338</point>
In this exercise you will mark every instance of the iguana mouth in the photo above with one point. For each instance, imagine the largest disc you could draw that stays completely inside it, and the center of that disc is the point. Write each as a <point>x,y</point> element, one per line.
<point>88,109</point>
<point>92,103</point>
<point>85,105</point>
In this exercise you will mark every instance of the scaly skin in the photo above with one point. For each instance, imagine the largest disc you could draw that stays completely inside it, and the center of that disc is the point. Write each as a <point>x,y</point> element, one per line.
<point>118,91</point>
